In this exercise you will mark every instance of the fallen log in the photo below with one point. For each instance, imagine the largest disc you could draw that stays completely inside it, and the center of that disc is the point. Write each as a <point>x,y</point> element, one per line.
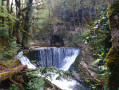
<point>7,74</point>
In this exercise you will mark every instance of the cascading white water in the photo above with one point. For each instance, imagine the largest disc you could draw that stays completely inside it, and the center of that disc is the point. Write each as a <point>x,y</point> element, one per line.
<point>25,61</point>
<point>61,58</point>
<point>69,60</point>
<point>63,83</point>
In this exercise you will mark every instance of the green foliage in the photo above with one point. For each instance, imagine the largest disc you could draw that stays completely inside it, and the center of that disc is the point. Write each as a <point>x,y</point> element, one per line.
<point>96,61</point>
<point>9,51</point>
<point>38,78</point>
<point>105,88</point>
<point>47,72</point>
<point>99,38</point>
<point>35,84</point>
<point>8,45</point>
<point>4,14</point>
<point>14,87</point>
<point>8,18</point>
<point>100,58</point>
<point>92,85</point>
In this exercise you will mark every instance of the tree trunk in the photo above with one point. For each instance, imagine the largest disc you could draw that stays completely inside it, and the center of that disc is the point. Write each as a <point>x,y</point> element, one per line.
<point>8,5</point>
<point>2,11</point>
<point>16,30</point>
<point>112,58</point>
<point>25,39</point>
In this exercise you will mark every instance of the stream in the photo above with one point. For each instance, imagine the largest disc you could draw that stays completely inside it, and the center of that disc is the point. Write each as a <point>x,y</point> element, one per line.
<point>61,58</point>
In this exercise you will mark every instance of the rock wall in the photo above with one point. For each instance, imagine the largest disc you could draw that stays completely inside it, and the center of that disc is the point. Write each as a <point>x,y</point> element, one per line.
<point>82,70</point>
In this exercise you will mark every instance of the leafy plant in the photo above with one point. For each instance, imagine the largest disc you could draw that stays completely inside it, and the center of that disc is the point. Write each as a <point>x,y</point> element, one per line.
<point>99,35</point>
<point>35,84</point>
<point>9,51</point>
<point>8,45</point>
<point>14,87</point>
<point>38,78</point>
<point>100,58</point>
<point>99,40</point>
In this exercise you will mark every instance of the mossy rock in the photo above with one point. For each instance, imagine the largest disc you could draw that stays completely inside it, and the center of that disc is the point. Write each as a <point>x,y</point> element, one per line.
<point>112,62</point>
<point>75,65</point>
<point>113,14</point>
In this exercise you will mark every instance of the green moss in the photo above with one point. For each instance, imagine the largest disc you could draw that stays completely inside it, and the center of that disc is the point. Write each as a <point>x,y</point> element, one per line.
<point>112,58</point>
<point>113,14</point>
<point>76,67</point>
<point>112,61</point>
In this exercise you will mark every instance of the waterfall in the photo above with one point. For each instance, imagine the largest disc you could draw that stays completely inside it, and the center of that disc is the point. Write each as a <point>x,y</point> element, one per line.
<point>68,60</point>
<point>61,58</point>
<point>25,61</point>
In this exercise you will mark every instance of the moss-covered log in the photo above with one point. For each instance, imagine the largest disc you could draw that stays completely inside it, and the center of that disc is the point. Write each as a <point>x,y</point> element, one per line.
<point>11,72</point>
<point>112,57</point>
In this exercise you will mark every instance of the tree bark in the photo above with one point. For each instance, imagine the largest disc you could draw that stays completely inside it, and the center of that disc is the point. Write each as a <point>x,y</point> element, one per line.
<point>2,11</point>
<point>112,58</point>
<point>25,39</point>
<point>8,5</point>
